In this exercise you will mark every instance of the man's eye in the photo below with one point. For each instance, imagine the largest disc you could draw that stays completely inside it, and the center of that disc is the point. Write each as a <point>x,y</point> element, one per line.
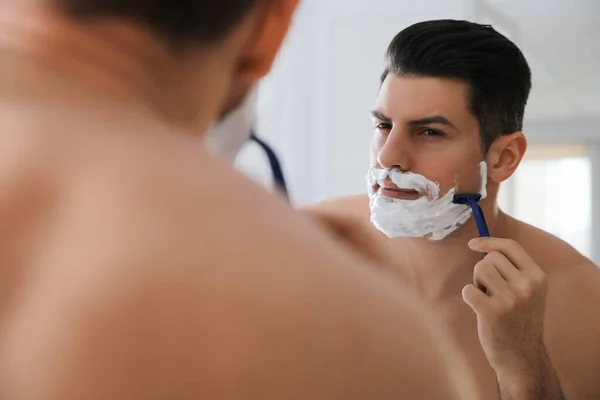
<point>431,132</point>
<point>385,126</point>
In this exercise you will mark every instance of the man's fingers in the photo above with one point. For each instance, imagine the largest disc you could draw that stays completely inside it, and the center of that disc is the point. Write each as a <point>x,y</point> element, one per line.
<point>511,249</point>
<point>475,298</point>
<point>486,275</point>
<point>507,270</point>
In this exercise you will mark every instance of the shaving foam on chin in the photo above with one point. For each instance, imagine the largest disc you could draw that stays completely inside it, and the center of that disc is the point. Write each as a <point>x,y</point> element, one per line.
<point>429,216</point>
<point>227,137</point>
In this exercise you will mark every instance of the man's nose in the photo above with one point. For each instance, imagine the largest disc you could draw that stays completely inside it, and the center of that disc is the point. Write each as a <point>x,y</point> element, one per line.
<point>396,153</point>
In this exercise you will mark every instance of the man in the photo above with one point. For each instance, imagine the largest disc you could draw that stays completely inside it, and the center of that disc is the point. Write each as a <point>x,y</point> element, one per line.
<point>137,266</point>
<point>453,95</point>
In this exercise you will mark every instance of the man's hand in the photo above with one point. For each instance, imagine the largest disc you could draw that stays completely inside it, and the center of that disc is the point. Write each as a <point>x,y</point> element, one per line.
<point>509,298</point>
<point>508,295</point>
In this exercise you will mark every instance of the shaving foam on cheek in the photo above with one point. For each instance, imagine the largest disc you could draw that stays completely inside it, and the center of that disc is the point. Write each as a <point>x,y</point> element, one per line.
<point>483,177</point>
<point>429,216</point>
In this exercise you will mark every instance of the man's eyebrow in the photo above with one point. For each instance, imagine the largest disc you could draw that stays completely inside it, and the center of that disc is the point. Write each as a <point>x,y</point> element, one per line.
<point>433,119</point>
<point>380,116</point>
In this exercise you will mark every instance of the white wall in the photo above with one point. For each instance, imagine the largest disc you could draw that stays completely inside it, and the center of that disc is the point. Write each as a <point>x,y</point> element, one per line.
<point>315,105</point>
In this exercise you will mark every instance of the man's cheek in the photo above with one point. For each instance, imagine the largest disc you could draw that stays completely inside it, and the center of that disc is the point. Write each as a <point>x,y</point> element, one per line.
<point>469,181</point>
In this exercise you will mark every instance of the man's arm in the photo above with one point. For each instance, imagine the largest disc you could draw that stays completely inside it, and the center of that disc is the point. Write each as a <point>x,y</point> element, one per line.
<point>533,382</point>
<point>573,326</point>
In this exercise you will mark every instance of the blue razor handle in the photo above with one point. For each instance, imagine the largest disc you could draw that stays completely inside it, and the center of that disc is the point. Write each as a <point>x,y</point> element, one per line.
<point>473,201</point>
<point>479,220</point>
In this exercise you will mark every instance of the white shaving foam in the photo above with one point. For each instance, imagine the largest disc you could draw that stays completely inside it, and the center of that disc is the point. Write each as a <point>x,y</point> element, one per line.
<point>226,138</point>
<point>428,216</point>
<point>483,177</point>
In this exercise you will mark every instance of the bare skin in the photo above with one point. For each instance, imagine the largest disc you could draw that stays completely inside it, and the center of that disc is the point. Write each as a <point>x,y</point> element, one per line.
<point>572,323</point>
<point>131,271</point>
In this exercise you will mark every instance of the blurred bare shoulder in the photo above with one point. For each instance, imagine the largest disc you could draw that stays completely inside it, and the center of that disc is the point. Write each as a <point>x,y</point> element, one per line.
<point>163,273</point>
<point>357,205</point>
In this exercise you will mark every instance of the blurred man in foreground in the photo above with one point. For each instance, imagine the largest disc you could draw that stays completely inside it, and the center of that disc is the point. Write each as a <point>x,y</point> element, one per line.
<point>136,265</point>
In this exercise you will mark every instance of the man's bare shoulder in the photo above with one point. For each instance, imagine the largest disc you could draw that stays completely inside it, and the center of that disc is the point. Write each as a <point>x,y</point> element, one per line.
<point>168,273</point>
<point>554,255</point>
<point>571,275</point>
<point>347,206</point>
<point>353,202</point>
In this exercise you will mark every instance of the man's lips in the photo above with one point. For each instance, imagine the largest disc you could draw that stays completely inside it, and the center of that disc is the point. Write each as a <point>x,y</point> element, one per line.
<point>394,192</point>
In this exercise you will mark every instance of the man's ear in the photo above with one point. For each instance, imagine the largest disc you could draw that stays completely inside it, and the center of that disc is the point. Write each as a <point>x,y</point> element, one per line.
<point>505,155</point>
<point>274,24</point>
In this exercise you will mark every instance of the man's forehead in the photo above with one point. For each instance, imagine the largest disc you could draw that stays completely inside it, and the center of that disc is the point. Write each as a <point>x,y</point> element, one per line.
<point>415,97</point>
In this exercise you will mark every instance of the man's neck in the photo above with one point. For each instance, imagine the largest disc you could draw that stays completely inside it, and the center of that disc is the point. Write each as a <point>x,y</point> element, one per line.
<point>440,269</point>
<point>46,55</point>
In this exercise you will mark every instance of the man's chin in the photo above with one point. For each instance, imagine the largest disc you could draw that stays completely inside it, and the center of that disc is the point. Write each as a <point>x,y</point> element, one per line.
<point>237,95</point>
<point>447,233</point>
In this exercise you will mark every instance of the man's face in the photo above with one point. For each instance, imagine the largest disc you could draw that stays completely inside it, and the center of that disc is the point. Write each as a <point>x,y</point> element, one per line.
<point>422,125</point>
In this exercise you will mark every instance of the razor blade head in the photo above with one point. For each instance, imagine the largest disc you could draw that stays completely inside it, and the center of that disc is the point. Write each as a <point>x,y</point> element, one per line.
<point>466,198</point>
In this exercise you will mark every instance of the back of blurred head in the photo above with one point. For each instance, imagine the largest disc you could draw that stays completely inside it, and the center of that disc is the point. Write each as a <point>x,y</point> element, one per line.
<point>221,47</point>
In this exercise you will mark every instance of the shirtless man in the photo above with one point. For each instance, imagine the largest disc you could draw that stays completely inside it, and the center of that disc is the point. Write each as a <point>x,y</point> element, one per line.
<point>137,266</point>
<point>452,95</point>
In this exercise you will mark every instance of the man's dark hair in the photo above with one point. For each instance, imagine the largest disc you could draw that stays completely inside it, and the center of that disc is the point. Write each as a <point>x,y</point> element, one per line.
<point>180,22</point>
<point>495,70</point>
